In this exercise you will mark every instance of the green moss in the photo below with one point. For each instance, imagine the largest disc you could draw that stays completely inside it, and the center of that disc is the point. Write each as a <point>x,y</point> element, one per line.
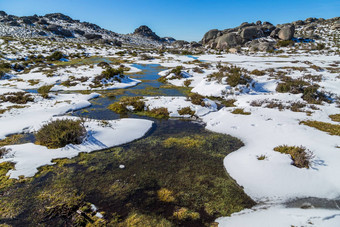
<point>184,142</point>
<point>323,126</point>
<point>240,111</point>
<point>59,133</point>
<point>10,140</point>
<point>198,189</point>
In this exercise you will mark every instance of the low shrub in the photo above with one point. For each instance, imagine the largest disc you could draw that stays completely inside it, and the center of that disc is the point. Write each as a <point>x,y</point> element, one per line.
<point>229,102</point>
<point>4,151</point>
<point>57,55</point>
<point>17,97</point>
<point>44,90</point>
<point>285,43</point>
<point>161,112</point>
<point>332,129</point>
<point>59,133</point>
<point>120,107</point>
<point>196,99</point>
<point>258,72</point>
<point>186,111</point>
<point>300,155</point>
<point>240,111</point>
<point>110,73</point>
<point>234,76</point>
<point>187,83</point>
<point>335,117</point>
<point>68,83</point>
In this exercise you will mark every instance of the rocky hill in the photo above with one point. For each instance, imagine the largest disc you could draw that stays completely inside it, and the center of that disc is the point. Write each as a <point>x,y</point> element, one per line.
<point>263,36</point>
<point>60,27</point>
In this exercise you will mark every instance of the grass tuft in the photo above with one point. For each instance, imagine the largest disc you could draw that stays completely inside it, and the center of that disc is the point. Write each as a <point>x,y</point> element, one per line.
<point>323,126</point>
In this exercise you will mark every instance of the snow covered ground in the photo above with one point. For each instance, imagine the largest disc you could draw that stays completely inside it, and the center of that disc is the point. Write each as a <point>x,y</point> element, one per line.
<point>28,157</point>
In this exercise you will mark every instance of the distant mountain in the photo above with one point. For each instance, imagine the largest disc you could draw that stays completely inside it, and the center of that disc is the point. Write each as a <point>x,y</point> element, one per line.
<point>62,27</point>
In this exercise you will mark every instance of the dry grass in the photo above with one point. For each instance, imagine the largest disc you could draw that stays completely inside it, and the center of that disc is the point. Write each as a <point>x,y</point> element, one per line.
<point>332,129</point>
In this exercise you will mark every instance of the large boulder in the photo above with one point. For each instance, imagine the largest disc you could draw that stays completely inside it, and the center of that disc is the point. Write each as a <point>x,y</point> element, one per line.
<point>250,33</point>
<point>14,23</point>
<point>3,13</point>
<point>228,40</point>
<point>210,35</point>
<point>66,33</point>
<point>79,32</point>
<point>53,28</point>
<point>92,36</point>
<point>275,33</point>
<point>286,32</point>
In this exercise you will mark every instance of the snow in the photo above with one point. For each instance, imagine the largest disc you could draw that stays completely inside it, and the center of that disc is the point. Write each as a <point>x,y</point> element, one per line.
<point>29,119</point>
<point>28,157</point>
<point>280,216</point>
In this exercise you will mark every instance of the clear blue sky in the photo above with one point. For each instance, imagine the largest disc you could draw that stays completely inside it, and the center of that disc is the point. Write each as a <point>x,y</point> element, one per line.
<point>181,19</point>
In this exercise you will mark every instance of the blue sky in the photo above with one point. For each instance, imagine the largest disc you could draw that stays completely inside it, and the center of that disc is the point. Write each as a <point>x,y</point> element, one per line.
<point>181,19</point>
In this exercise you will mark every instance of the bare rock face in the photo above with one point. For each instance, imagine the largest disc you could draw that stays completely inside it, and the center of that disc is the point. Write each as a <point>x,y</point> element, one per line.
<point>228,40</point>
<point>250,33</point>
<point>145,31</point>
<point>286,32</point>
<point>210,35</point>
<point>92,36</point>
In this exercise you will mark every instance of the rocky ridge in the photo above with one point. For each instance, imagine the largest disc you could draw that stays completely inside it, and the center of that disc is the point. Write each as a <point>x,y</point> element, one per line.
<point>60,27</point>
<point>263,36</point>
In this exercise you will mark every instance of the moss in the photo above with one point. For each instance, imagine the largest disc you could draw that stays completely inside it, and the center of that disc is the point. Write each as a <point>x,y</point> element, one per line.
<point>300,156</point>
<point>194,175</point>
<point>59,133</point>
<point>186,111</point>
<point>10,140</point>
<point>335,117</point>
<point>183,213</point>
<point>185,142</point>
<point>240,111</point>
<point>141,220</point>
<point>165,195</point>
<point>332,129</point>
